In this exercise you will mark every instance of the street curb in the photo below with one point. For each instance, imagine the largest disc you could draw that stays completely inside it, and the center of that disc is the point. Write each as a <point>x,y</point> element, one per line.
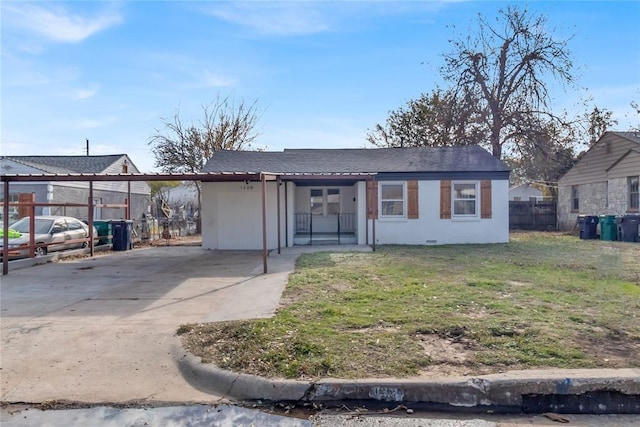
<point>589,391</point>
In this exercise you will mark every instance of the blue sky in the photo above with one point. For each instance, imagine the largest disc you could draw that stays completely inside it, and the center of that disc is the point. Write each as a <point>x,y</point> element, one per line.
<point>322,73</point>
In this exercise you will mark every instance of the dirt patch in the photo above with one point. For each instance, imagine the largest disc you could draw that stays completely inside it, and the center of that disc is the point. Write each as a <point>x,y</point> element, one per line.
<point>449,356</point>
<point>194,240</point>
<point>611,350</point>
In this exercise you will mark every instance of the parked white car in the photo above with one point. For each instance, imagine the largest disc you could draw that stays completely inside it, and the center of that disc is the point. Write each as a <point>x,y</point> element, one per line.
<point>51,233</point>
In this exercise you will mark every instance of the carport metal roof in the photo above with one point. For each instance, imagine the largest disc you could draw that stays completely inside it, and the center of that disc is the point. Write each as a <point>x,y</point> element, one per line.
<point>202,176</point>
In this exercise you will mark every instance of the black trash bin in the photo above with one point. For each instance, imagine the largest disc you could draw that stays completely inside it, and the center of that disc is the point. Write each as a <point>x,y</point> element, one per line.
<point>629,228</point>
<point>121,230</point>
<point>588,226</point>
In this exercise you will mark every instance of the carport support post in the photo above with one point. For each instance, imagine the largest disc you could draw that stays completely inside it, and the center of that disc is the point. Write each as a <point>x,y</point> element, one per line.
<point>128,208</point>
<point>90,218</point>
<point>5,227</point>
<point>263,178</point>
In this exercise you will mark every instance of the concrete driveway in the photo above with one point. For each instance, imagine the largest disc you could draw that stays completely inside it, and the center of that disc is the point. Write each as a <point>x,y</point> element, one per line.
<point>103,329</point>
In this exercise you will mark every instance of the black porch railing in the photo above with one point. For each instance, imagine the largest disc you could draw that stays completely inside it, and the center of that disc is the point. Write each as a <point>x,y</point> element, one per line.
<point>344,223</point>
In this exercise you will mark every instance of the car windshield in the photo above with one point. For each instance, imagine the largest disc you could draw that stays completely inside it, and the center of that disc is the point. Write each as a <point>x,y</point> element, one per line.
<point>42,226</point>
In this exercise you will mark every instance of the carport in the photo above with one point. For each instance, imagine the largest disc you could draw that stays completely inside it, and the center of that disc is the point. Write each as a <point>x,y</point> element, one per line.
<point>7,179</point>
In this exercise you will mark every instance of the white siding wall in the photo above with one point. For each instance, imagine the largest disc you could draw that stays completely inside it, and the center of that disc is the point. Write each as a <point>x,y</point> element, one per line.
<point>232,216</point>
<point>429,229</point>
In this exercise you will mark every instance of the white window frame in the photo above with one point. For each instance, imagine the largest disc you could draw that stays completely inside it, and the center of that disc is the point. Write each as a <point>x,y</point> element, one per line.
<point>476,199</point>
<point>325,199</point>
<point>403,200</point>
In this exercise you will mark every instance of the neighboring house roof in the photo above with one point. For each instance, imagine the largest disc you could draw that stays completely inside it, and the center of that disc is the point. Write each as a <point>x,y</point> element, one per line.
<point>373,160</point>
<point>613,149</point>
<point>631,136</point>
<point>68,164</point>
<point>65,165</point>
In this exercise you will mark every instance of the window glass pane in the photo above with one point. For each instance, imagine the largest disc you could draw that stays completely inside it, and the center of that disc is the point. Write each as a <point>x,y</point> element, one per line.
<point>316,202</point>
<point>392,191</point>
<point>333,201</point>
<point>392,208</point>
<point>465,191</point>
<point>464,207</point>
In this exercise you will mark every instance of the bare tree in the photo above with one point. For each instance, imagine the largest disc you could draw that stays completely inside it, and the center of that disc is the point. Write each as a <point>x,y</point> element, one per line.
<point>506,66</point>
<point>598,122</point>
<point>636,107</point>
<point>225,125</point>
<point>435,119</point>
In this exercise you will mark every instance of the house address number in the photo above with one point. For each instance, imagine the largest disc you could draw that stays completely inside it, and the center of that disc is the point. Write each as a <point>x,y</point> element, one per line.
<point>246,187</point>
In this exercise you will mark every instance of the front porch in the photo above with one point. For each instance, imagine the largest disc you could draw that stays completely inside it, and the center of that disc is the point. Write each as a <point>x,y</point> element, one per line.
<point>336,229</point>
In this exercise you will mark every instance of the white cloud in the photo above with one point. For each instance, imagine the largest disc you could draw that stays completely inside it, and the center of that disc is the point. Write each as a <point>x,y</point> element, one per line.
<point>92,123</point>
<point>85,93</point>
<point>210,79</point>
<point>275,18</point>
<point>56,23</point>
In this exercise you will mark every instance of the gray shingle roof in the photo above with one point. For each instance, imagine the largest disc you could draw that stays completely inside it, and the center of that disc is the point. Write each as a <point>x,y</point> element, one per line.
<point>373,160</point>
<point>631,136</point>
<point>68,164</point>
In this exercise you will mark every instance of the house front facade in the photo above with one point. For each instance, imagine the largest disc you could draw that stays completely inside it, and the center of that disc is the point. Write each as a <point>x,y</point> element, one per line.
<point>77,192</point>
<point>605,181</point>
<point>416,196</point>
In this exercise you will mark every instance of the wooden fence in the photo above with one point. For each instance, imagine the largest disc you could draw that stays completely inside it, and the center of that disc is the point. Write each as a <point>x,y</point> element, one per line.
<point>533,215</point>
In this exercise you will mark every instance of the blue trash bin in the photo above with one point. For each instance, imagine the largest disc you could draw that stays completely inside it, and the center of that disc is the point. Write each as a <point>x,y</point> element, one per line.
<point>588,226</point>
<point>121,230</point>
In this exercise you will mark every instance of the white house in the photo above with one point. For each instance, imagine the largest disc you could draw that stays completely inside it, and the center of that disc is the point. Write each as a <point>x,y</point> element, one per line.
<point>417,196</point>
<point>524,192</point>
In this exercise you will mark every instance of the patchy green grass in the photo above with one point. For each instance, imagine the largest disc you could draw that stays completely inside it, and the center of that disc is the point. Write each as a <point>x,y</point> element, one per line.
<point>542,300</point>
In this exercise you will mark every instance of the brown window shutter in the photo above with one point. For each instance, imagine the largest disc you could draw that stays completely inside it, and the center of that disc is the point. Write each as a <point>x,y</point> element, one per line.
<point>445,199</point>
<point>412,202</point>
<point>485,198</point>
<point>372,199</point>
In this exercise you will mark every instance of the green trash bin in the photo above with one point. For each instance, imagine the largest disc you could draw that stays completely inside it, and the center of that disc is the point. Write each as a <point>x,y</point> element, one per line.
<point>104,231</point>
<point>608,227</point>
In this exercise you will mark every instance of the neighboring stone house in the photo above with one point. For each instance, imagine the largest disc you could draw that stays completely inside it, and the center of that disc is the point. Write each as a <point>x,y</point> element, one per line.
<point>603,182</point>
<point>416,196</point>
<point>77,191</point>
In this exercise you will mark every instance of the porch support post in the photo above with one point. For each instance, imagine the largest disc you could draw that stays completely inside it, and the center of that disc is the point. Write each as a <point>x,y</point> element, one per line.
<point>278,209</point>
<point>373,223</point>
<point>90,218</point>
<point>263,178</point>
<point>286,215</point>
<point>366,211</point>
<point>373,226</point>
<point>5,227</point>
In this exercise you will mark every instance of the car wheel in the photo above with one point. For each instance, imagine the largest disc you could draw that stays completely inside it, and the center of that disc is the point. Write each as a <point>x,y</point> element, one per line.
<point>40,251</point>
<point>85,244</point>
